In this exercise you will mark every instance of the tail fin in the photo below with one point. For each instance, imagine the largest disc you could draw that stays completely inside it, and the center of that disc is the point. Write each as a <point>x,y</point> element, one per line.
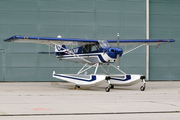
<point>60,50</point>
<point>53,73</point>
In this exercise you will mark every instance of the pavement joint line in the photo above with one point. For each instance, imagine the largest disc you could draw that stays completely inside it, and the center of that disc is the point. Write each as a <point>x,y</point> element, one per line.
<point>103,113</point>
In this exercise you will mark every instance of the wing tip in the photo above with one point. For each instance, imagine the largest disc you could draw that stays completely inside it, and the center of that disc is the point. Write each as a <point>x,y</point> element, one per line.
<point>10,39</point>
<point>171,40</point>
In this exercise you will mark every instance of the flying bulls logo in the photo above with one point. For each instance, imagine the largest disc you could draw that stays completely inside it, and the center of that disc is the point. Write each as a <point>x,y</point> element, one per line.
<point>60,48</point>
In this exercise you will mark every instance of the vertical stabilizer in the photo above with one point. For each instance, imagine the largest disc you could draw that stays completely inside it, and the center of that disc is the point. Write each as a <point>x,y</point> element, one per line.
<point>60,50</point>
<point>53,73</point>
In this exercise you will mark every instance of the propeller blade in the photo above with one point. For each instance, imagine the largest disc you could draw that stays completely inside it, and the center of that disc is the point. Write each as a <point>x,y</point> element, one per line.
<point>108,68</point>
<point>117,40</point>
<point>118,60</point>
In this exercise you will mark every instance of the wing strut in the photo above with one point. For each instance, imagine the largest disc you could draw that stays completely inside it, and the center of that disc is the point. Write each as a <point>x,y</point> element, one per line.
<point>103,69</point>
<point>118,69</point>
<point>97,65</point>
<point>127,51</point>
<point>81,71</point>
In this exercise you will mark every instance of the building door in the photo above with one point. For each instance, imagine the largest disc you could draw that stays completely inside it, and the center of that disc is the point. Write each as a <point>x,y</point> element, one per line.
<point>2,65</point>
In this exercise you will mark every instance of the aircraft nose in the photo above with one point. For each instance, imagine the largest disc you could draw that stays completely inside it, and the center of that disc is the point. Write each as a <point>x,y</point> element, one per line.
<point>114,51</point>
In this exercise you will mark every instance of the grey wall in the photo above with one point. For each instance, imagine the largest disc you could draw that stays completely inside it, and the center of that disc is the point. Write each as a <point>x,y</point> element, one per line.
<point>96,19</point>
<point>165,23</point>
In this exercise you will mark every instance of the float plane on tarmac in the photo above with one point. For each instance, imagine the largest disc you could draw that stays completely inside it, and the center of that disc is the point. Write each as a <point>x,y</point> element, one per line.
<point>93,54</point>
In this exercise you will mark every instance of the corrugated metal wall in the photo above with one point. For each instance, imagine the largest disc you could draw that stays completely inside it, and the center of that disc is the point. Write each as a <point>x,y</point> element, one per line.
<point>165,23</point>
<point>96,19</point>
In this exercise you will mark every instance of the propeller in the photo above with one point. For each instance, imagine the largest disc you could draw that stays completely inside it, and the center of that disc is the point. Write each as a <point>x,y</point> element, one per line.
<point>108,68</point>
<point>118,60</point>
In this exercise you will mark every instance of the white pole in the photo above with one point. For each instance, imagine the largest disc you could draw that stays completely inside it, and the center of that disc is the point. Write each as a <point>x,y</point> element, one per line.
<point>147,37</point>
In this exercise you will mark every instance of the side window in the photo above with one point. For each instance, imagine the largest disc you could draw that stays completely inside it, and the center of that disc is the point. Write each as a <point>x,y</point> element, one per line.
<point>90,48</point>
<point>86,48</point>
<point>94,47</point>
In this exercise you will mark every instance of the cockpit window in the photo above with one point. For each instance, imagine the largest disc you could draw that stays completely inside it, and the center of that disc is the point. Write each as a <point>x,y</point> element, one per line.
<point>90,48</point>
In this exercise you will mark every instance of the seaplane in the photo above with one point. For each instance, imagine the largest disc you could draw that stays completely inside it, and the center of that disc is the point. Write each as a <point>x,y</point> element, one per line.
<point>93,54</point>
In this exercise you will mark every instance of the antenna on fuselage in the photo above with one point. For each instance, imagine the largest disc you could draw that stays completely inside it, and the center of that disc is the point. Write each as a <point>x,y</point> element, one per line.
<point>86,36</point>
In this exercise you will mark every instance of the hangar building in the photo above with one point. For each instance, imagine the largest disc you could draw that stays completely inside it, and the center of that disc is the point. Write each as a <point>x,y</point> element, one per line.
<point>93,19</point>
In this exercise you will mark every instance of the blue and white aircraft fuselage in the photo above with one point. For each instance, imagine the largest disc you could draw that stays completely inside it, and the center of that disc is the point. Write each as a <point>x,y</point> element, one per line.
<point>100,52</point>
<point>94,54</point>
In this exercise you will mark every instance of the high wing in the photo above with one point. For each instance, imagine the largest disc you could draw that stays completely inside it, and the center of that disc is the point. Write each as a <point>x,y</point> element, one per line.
<point>139,42</point>
<point>80,42</point>
<point>49,41</point>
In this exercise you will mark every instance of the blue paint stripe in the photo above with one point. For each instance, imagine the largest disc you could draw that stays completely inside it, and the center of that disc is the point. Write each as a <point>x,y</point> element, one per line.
<point>128,77</point>
<point>101,58</point>
<point>91,80</point>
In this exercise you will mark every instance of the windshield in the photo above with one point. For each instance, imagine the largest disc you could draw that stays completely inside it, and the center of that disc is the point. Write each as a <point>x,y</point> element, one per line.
<point>103,43</point>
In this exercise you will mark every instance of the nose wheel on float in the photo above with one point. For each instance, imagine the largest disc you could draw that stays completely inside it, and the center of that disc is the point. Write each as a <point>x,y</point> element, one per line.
<point>142,88</point>
<point>77,87</point>
<point>107,89</point>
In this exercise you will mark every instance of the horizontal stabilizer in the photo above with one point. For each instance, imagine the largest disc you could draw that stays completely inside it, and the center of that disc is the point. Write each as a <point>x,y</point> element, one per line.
<point>53,73</point>
<point>46,52</point>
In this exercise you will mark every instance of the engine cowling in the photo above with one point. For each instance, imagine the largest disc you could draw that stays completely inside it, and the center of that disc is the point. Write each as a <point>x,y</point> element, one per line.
<point>112,52</point>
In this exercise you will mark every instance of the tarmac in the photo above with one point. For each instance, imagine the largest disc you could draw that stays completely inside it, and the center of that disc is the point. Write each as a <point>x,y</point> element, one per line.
<point>59,101</point>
